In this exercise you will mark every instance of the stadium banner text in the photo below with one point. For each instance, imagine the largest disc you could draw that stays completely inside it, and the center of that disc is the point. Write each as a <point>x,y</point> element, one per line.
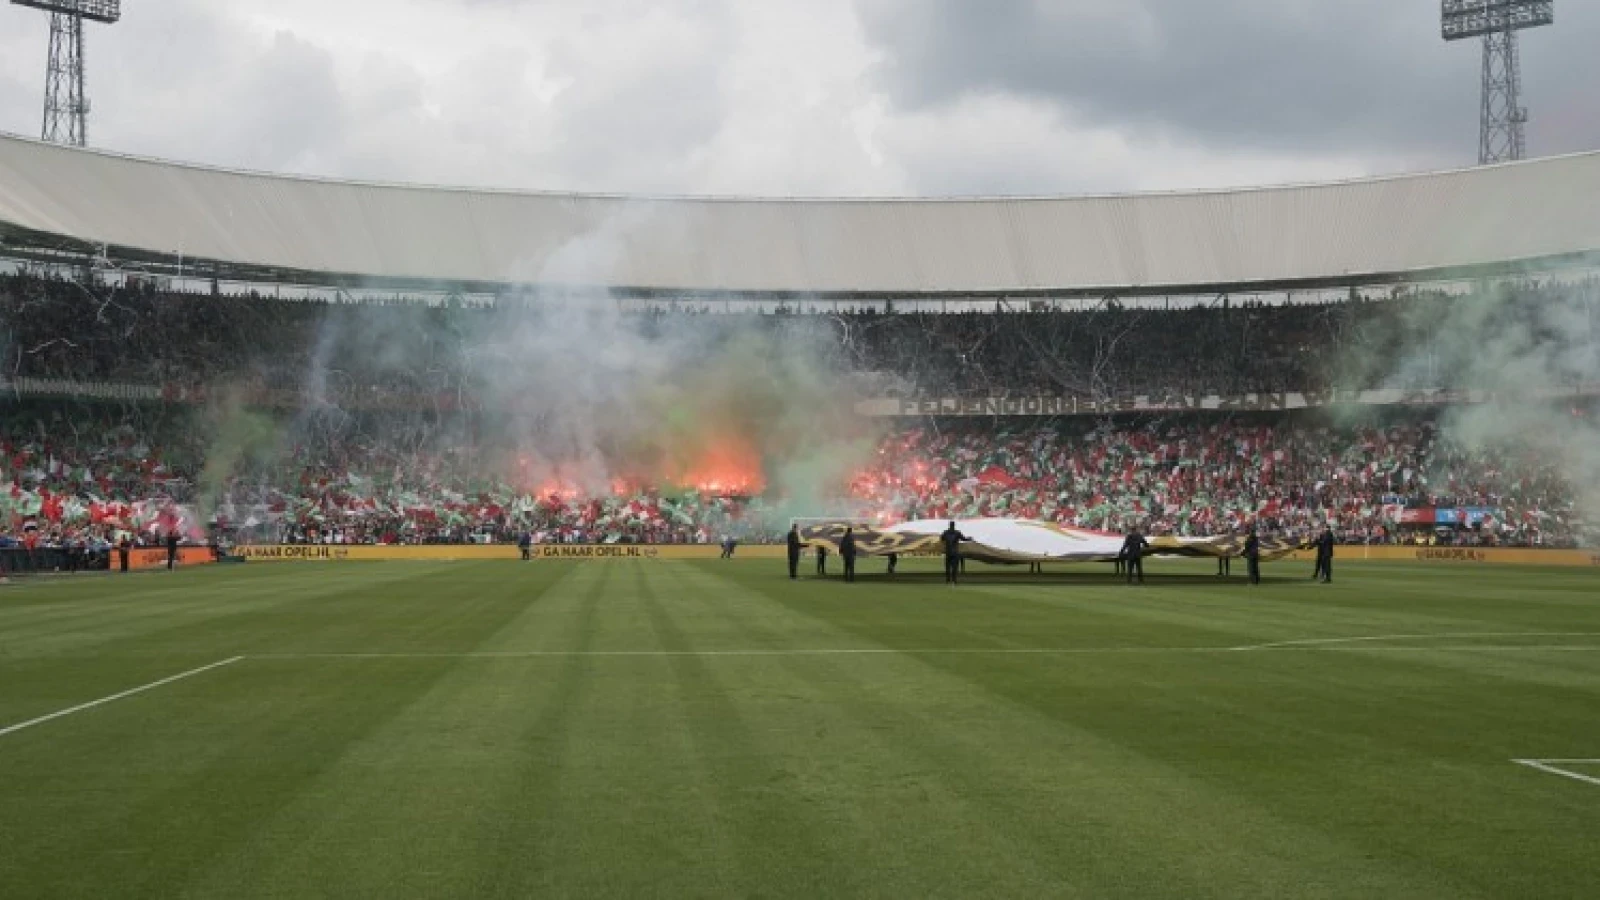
<point>468,552</point>
<point>147,558</point>
<point>1068,405</point>
<point>1461,555</point>
<point>879,407</point>
<point>87,390</point>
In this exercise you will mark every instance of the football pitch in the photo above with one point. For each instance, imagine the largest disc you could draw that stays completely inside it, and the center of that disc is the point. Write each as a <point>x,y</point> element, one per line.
<point>711,729</point>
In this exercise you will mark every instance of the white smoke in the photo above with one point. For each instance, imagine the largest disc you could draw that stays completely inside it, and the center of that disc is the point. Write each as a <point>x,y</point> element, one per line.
<point>1536,349</point>
<point>568,389</point>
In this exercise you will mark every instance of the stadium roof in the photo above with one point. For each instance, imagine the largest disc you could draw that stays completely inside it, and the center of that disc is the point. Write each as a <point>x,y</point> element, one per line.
<point>1520,216</point>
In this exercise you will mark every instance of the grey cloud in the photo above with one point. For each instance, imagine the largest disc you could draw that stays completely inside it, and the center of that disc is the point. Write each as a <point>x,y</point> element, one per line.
<point>1355,76</point>
<point>180,81</point>
<point>1024,96</point>
<point>188,79</point>
<point>19,107</point>
<point>615,127</point>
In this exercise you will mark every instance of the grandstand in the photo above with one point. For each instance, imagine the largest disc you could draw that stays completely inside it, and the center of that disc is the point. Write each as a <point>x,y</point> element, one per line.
<point>1163,360</point>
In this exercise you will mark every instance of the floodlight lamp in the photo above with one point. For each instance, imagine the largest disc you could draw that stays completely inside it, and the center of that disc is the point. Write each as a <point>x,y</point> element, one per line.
<point>1462,19</point>
<point>107,11</point>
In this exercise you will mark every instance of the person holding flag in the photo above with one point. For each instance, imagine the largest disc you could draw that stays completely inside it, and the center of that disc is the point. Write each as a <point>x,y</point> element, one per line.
<point>1133,548</point>
<point>951,539</point>
<point>847,552</point>
<point>1252,556</point>
<point>1324,570</point>
<point>794,546</point>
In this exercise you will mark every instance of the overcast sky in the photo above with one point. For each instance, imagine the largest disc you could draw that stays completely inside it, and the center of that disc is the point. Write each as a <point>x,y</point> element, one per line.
<point>804,97</point>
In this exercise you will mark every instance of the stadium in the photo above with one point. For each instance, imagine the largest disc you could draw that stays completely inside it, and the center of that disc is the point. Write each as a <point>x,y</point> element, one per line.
<point>393,540</point>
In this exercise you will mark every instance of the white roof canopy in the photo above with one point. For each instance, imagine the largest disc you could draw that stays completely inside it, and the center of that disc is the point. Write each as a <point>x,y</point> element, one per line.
<point>1414,225</point>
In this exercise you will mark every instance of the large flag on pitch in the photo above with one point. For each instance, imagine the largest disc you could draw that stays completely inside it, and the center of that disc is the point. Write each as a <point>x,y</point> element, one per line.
<point>1025,540</point>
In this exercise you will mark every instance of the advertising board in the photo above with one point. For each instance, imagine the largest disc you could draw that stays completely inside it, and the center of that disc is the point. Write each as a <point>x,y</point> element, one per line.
<point>468,552</point>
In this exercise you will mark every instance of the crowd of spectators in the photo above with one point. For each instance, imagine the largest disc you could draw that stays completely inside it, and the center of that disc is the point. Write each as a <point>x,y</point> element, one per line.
<point>140,470</point>
<point>404,462</point>
<point>395,354</point>
<point>107,474</point>
<point>1199,476</point>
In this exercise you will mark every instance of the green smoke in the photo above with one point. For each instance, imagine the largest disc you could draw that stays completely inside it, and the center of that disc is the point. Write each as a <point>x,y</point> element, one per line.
<point>240,438</point>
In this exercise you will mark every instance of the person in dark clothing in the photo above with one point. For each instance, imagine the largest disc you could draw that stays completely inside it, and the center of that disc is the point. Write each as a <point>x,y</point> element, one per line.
<point>1224,565</point>
<point>795,545</point>
<point>822,560</point>
<point>894,560</point>
<point>124,547</point>
<point>1133,548</point>
<point>525,544</point>
<point>1324,570</point>
<point>1252,556</point>
<point>847,552</point>
<point>951,539</point>
<point>172,549</point>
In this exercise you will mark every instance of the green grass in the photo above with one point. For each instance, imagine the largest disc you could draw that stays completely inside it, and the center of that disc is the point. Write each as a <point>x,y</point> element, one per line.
<point>661,729</point>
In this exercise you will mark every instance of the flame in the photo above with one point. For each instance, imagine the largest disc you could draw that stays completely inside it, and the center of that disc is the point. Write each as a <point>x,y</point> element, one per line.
<point>555,487</point>
<point>729,465</point>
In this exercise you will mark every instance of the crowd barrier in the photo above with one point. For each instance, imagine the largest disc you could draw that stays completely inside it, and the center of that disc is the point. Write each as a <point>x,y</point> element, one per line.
<point>24,562</point>
<point>1460,555</point>
<point>18,561</point>
<point>444,552</point>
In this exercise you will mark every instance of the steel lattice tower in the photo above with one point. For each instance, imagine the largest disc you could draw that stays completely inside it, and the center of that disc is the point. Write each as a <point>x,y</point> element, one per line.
<point>66,109</point>
<point>1502,117</point>
<point>66,103</point>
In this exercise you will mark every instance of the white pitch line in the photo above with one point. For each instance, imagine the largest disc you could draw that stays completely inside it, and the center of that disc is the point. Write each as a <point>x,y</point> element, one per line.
<point>1545,765</point>
<point>874,651</point>
<point>803,651</point>
<point>1372,638</point>
<point>11,729</point>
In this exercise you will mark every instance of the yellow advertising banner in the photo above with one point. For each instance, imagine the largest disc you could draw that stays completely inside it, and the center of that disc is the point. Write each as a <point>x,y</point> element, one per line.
<point>144,558</point>
<point>1461,555</point>
<point>469,552</point>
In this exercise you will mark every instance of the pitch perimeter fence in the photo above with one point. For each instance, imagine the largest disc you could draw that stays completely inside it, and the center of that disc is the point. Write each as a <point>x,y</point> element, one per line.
<point>21,561</point>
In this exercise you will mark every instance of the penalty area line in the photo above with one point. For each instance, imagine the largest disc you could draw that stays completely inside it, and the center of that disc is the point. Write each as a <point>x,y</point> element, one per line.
<point>1550,766</point>
<point>12,729</point>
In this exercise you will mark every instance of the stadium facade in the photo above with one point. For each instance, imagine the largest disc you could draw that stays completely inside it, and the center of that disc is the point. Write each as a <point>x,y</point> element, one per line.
<point>59,203</point>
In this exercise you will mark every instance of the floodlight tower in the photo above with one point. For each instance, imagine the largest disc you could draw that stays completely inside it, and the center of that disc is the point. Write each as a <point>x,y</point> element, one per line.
<point>66,106</point>
<point>1500,130</point>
